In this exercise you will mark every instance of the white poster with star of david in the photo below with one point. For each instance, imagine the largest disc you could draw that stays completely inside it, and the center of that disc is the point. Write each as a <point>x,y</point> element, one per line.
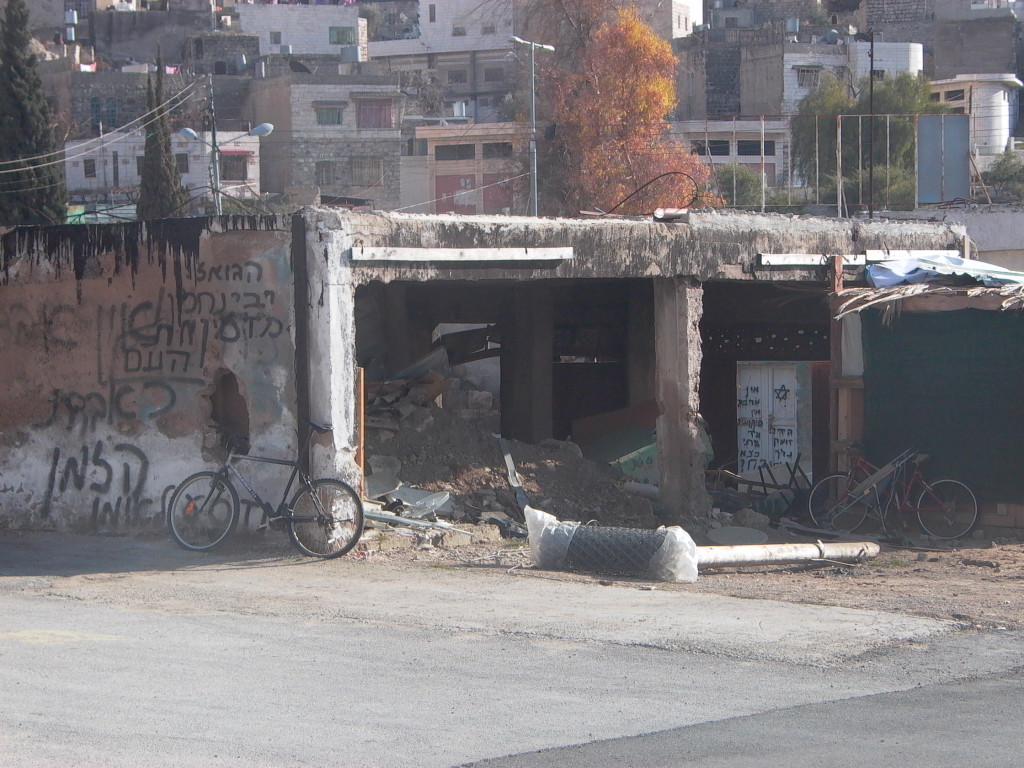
<point>773,416</point>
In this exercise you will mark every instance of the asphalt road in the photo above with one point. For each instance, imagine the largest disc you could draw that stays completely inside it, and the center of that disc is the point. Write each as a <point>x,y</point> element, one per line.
<point>127,652</point>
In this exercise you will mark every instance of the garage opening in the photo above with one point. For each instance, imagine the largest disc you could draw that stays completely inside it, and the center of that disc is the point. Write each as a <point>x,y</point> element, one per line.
<point>554,366</point>
<point>765,375</point>
<point>547,353</point>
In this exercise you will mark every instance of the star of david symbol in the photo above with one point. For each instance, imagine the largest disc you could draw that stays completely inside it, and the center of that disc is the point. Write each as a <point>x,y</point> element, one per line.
<point>782,393</point>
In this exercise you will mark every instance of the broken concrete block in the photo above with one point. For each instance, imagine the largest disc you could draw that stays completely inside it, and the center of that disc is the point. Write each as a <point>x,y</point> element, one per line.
<point>748,518</point>
<point>479,400</point>
<point>484,532</point>
<point>420,419</point>
<point>420,396</point>
<point>384,465</point>
<point>389,539</point>
<point>454,400</point>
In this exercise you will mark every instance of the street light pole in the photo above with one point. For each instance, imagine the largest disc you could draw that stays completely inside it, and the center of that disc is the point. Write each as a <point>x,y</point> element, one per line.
<point>534,207</point>
<point>215,154</point>
<point>263,129</point>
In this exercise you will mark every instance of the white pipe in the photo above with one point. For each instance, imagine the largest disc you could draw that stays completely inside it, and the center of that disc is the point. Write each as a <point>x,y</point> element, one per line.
<point>762,554</point>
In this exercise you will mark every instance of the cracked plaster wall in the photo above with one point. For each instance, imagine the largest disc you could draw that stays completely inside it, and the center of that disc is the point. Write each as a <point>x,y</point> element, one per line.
<point>112,339</point>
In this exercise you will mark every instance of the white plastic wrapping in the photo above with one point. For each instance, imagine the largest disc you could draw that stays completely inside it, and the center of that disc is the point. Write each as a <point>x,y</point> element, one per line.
<point>549,538</point>
<point>675,559</point>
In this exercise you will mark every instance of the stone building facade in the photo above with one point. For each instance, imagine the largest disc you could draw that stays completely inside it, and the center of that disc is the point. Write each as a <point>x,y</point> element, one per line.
<point>338,133</point>
<point>221,52</point>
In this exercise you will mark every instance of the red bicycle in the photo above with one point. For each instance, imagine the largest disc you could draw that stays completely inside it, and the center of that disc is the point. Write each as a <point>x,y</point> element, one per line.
<point>842,502</point>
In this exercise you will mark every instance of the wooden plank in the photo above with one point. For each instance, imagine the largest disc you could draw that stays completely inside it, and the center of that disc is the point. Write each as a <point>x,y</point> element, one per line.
<point>848,382</point>
<point>375,253</point>
<point>850,421</point>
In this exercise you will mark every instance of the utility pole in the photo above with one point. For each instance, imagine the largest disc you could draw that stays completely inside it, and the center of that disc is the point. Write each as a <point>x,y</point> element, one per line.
<point>871,127</point>
<point>534,207</point>
<point>215,154</point>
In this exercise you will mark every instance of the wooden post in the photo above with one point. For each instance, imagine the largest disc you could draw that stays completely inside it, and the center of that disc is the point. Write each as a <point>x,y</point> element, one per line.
<point>361,447</point>
<point>836,360</point>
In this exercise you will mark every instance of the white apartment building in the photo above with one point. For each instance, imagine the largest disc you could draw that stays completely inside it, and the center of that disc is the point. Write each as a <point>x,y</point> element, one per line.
<point>991,102</point>
<point>106,169</point>
<point>334,30</point>
<point>455,26</point>
<point>672,18</point>
<point>849,60</point>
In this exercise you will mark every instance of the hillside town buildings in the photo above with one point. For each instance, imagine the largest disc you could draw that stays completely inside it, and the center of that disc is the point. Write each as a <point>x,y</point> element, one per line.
<point>389,104</point>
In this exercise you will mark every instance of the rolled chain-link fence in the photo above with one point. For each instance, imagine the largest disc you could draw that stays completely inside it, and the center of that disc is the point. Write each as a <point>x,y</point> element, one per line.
<point>612,551</point>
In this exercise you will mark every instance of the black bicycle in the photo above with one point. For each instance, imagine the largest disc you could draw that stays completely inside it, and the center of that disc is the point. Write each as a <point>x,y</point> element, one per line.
<point>324,518</point>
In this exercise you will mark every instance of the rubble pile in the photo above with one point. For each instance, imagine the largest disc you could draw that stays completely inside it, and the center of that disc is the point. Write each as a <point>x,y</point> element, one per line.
<point>436,450</point>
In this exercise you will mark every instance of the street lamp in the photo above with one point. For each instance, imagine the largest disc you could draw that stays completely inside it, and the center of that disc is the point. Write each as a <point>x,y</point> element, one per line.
<point>263,129</point>
<point>533,118</point>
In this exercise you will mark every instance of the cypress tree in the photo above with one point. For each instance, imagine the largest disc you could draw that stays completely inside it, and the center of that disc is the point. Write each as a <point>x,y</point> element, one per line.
<point>32,189</point>
<point>160,192</point>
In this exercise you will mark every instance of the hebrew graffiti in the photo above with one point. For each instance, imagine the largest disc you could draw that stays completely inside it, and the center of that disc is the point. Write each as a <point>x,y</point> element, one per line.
<point>767,400</point>
<point>748,407</point>
<point>46,327</point>
<point>114,478</point>
<point>146,358</point>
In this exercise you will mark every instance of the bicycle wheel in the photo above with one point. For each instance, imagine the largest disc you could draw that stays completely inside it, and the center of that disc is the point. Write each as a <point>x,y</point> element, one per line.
<point>947,509</point>
<point>832,508</point>
<point>326,519</point>
<point>203,511</point>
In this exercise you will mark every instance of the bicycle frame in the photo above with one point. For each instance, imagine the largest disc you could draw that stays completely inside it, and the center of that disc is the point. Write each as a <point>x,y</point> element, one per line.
<point>907,489</point>
<point>296,473</point>
<point>865,487</point>
<point>323,517</point>
<point>902,488</point>
<point>944,508</point>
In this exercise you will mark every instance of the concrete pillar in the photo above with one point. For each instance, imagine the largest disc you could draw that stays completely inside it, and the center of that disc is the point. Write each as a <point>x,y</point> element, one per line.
<point>527,343</point>
<point>397,326</point>
<point>677,313</point>
<point>330,350</point>
<point>640,360</point>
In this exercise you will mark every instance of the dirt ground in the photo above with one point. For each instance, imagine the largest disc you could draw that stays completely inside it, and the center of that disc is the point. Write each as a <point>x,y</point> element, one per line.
<point>976,584</point>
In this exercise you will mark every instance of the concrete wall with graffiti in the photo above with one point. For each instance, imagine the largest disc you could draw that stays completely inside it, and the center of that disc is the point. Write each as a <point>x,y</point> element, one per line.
<point>120,345</point>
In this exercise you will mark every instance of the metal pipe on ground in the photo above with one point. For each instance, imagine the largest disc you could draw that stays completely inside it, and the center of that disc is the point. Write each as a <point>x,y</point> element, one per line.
<point>781,554</point>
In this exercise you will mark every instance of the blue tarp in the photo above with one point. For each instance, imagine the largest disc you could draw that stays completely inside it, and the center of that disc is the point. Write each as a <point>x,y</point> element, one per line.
<point>925,269</point>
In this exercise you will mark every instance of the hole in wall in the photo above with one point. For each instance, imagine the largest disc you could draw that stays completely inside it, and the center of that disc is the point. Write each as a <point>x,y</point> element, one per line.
<point>229,411</point>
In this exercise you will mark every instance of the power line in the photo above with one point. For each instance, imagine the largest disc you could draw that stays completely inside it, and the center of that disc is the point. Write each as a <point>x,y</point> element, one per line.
<point>21,161</point>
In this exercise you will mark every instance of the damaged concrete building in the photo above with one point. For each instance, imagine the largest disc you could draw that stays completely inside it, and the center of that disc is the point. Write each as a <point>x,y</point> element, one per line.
<point>123,344</point>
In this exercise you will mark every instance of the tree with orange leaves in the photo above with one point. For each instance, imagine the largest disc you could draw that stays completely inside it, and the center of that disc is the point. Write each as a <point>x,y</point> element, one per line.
<point>611,135</point>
